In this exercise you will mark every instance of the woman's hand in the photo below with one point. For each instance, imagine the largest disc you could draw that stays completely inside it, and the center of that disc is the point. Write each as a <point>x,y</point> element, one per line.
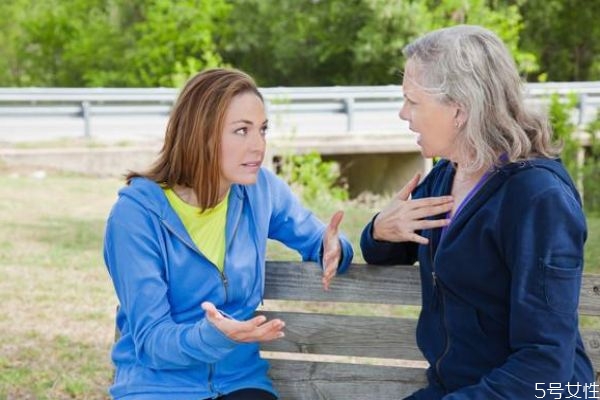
<point>399,220</point>
<point>257,329</point>
<point>332,249</point>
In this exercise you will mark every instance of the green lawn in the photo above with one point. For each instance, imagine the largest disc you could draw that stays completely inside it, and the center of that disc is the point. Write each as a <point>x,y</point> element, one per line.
<point>56,318</point>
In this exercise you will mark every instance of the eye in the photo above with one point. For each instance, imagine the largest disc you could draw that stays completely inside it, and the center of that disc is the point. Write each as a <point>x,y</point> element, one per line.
<point>241,131</point>
<point>264,129</point>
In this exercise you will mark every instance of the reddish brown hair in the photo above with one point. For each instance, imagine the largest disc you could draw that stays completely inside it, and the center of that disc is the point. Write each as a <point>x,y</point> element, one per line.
<point>190,154</point>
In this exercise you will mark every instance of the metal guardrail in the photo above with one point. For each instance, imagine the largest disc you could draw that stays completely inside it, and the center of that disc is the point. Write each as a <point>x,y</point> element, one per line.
<point>86,102</point>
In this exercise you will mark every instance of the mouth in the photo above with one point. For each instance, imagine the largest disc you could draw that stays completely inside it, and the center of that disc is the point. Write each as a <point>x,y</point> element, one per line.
<point>252,164</point>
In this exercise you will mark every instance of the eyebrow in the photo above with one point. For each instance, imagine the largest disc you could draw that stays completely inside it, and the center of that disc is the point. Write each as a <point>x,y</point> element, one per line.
<point>247,121</point>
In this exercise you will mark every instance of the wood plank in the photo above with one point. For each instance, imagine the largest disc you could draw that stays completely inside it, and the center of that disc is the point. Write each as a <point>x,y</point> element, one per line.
<point>305,380</point>
<point>382,337</point>
<point>361,284</point>
<point>589,298</point>
<point>591,341</point>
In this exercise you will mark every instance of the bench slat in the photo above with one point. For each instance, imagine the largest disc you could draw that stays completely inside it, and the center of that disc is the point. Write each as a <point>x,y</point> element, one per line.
<point>361,284</point>
<point>399,285</point>
<point>382,337</point>
<point>591,341</point>
<point>589,298</point>
<point>305,380</point>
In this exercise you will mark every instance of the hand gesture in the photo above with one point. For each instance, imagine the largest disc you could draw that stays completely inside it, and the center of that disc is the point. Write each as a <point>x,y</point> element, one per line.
<point>399,220</point>
<point>256,329</point>
<point>332,249</point>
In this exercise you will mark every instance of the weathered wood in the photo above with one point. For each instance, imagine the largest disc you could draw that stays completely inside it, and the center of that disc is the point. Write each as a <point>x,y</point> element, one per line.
<point>398,285</point>
<point>589,298</point>
<point>361,336</point>
<point>305,380</point>
<point>361,284</point>
<point>382,337</point>
<point>591,341</point>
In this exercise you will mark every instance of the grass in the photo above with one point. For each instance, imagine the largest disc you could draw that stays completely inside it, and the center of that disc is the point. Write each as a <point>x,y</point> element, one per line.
<point>56,319</point>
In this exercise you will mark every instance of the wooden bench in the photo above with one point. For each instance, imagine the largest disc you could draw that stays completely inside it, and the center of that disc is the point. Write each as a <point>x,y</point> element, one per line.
<point>335,346</point>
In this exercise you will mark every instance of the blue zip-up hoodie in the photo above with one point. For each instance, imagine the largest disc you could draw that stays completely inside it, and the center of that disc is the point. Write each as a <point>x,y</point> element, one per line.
<point>500,290</point>
<point>167,348</point>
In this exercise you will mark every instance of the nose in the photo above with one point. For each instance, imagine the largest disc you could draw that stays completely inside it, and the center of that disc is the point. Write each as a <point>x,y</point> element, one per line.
<point>403,114</point>
<point>258,142</point>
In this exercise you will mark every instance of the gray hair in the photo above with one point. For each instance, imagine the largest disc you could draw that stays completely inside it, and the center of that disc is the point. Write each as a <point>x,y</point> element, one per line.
<point>471,67</point>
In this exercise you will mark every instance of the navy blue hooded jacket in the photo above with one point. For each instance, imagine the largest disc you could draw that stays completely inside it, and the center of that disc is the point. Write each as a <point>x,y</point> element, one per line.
<point>500,290</point>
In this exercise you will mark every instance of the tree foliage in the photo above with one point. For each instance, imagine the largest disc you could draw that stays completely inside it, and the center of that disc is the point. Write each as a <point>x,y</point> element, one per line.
<point>280,42</point>
<point>565,35</point>
<point>108,42</point>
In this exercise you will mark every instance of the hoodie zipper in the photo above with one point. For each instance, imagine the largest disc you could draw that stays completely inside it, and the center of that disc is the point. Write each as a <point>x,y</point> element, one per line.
<point>438,293</point>
<point>438,300</point>
<point>222,274</point>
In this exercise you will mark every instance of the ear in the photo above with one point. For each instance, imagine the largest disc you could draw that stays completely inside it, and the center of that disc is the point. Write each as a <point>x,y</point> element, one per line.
<point>460,118</point>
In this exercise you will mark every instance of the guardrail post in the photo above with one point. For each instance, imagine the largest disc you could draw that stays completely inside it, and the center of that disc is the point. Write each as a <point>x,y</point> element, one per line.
<point>85,112</point>
<point>349,108</point>
<point>582,104</point>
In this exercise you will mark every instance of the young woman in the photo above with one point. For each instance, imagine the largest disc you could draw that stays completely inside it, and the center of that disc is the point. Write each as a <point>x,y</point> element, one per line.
<point>185,247</point>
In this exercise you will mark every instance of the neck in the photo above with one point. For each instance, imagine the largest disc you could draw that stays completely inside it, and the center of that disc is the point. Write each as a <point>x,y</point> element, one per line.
<point>464,175</point>
<point>188,195</point>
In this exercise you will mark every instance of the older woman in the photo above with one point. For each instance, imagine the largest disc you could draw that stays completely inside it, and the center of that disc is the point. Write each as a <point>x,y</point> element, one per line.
<point>496,226</point>
<point>185,247</point>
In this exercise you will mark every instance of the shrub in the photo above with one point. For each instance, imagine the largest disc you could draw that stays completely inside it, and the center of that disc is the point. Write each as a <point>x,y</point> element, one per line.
<point>312,178</point>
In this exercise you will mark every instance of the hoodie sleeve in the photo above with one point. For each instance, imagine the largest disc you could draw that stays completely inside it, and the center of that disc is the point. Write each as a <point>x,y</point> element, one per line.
<point>297,227</point>
<point>544,251</point>
<point>136,265</point>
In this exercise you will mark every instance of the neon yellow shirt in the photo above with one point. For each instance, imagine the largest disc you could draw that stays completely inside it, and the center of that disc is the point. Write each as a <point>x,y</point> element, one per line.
<point>206,229</point>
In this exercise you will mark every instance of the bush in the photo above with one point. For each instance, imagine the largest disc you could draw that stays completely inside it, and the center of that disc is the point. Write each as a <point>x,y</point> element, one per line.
<point>312,178</point>
<point>565,130</point>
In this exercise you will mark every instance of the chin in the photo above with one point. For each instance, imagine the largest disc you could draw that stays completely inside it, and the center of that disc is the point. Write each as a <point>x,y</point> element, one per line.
<point>247,180</point>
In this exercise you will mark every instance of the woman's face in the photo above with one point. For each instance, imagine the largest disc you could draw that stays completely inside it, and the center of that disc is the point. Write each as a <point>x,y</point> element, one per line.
<point>243,141</point>
<point>434,122</point>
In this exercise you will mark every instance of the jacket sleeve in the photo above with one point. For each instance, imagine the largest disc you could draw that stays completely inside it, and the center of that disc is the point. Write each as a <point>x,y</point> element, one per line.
<point>136,265</point>
<point>297,227</point>
<point>544,252</point>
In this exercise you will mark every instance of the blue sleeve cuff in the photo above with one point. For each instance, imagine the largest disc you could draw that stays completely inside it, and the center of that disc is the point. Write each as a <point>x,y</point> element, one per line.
<point>212,342</point>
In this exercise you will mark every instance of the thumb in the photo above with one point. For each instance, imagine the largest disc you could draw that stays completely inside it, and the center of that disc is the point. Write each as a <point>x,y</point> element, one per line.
<point>409,187</point>
<point>211,311</point>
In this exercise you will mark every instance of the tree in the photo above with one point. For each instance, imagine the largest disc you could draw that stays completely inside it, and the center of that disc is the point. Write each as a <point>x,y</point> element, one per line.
<point>566,36</point>
<point>293,42</point>
<point>110,42</point>
<point>317,42</point>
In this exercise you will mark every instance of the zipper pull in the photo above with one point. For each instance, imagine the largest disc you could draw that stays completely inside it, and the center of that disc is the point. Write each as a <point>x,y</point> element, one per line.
<point>435,298</point>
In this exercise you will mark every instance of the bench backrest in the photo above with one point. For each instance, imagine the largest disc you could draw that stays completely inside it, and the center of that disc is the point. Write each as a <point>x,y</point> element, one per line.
<point>327,356</point>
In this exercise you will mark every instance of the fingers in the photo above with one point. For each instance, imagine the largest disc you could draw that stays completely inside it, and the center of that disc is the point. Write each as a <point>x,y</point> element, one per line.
<point>329,273</point>
<point>256,329</point>
<point>332,249</point>
<point>430,206</point>
<point>331,261</point>
<point>405,192</point>
<point>334,222</point>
